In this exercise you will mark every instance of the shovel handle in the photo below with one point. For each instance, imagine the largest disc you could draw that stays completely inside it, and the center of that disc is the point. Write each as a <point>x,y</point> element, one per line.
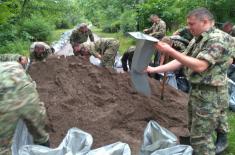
<point>164,78</point>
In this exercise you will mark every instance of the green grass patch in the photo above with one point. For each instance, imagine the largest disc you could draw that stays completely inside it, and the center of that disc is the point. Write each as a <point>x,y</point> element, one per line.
<point>231,135</point>
<point>125,40</point>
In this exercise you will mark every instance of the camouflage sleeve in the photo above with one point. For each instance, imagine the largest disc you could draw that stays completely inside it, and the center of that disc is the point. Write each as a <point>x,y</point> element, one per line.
<point>91,36</point>
<point>20,101</point>
<point>149,30</point>
<point>9,57</point>
<point>213,52</point>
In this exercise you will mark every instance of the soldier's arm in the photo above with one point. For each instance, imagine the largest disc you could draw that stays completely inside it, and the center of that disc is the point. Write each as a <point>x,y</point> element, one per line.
<point>9,57</point>
<point>34,114</point>
<point>91,36</point>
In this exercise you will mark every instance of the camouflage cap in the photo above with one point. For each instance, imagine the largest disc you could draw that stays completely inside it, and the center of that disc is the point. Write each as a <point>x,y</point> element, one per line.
<point>82,25</point>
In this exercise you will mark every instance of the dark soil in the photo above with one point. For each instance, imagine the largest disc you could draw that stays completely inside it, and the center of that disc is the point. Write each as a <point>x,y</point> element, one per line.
<point>103,103</point>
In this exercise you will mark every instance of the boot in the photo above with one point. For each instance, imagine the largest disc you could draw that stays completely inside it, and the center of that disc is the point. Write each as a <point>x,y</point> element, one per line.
<point>221,143</point>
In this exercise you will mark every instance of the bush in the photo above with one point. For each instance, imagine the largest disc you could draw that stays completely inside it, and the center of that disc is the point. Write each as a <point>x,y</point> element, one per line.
<point>8,32</point>
<point>37,27</point>
<point>17,46</point>
<point>63,24</point>
<point>128,21</point>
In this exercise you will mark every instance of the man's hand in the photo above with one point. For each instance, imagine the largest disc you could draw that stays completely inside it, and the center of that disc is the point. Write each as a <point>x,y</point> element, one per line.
<point>150,69</point>
<point>98,56</point>
<point>145,30</point>
<point>163,47</point>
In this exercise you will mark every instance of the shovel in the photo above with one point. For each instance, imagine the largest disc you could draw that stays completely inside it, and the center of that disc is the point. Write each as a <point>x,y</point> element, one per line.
<point>141,59</point>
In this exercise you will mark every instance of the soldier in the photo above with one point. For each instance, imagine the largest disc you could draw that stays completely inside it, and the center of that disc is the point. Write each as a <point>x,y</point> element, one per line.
<point>207,59</point>
<point>23,60</point>
<point>158,29</point>
<point>105,49</point>
<point>184,33</point>
<point>80,35</point>
<point>19,100</point>
<point>39,51</point>
<point>127,58</point>
<point>229,28</point>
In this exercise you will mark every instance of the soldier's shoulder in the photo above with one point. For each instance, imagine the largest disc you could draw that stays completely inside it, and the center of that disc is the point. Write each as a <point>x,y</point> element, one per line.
<point>217,34</point>
<point>162,22</point>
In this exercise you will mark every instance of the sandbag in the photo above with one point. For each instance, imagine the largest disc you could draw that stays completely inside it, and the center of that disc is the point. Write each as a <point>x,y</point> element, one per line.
<point>160,141</point>
<point>76,142</point>
<point>118,148</point>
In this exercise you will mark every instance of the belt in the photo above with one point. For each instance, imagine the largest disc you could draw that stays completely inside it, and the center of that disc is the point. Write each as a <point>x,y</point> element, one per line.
<point>206,87</point>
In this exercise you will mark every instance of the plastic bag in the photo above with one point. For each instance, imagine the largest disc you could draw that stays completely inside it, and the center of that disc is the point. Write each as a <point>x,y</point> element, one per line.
<point>155,138</point>
<point>21,137</point>
<point>112,149</point>
<point>175,150</point>
<point>231,95</point>
<point>76,142</point>
<point>160,141</point>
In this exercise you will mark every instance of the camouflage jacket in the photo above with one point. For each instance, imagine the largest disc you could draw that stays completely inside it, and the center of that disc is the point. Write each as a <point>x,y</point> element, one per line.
<point>43,56</point>
<point>80,37</point>
<point>19,100</point>
<point>9,57</point>
<point>99,46</point>
<point>158,30</point>
<point>215,47</point>
<point>185,33</point>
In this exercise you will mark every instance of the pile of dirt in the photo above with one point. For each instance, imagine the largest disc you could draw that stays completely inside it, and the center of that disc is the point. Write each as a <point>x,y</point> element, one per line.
<point>103,103</point>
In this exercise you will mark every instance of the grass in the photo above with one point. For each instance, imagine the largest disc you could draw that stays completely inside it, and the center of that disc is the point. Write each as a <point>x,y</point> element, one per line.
<point>125,40</point>
<point>231,136</point>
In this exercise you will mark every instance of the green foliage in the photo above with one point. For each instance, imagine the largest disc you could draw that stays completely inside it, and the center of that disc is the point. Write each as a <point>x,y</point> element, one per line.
<point>8,32</point>
<point>231,136</point>
<point>128,21</point>
<point>16,46</point>
<point>37,27</point>
<point>9,9</point>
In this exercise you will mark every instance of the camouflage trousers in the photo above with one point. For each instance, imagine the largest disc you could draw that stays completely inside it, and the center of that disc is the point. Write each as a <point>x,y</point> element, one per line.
<point>28,108</point>
<point>207,113</point>
<point>109,54</point>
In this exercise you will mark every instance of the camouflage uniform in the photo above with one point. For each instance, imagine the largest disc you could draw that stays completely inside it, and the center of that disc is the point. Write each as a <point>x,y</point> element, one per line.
<point>185,33</point>
<point>209,95</point>
<point>9,57</point>
<point>106,47</point>
<point>19,100</point>
<point>127,57</point>
<point>158,30</point>
<point>44,55</point>
<point>78,36</point>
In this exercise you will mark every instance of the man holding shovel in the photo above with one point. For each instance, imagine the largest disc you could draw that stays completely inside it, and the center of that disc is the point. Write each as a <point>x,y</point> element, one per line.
<point>206,60</point>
